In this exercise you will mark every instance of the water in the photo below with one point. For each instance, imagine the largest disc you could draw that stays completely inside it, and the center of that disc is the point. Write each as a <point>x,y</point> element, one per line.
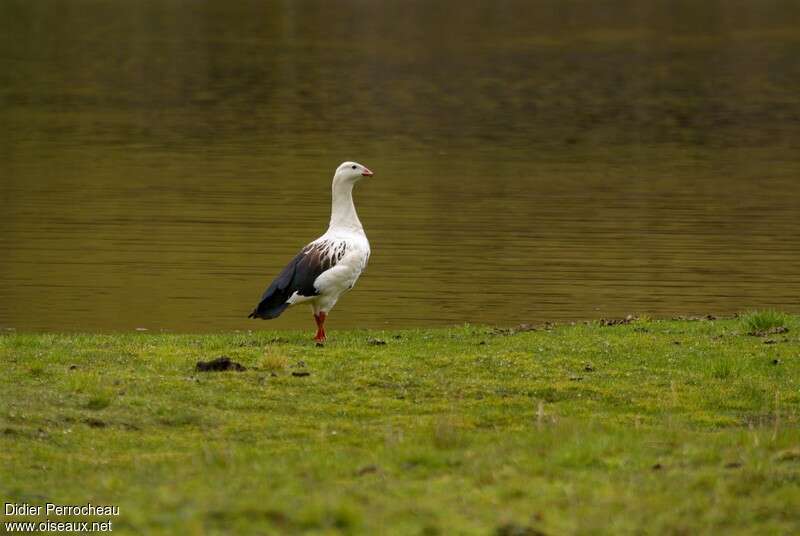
<point>161,161</point>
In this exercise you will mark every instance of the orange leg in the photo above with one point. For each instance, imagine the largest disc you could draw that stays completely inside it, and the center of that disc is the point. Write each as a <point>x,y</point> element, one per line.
<point>320,318</point>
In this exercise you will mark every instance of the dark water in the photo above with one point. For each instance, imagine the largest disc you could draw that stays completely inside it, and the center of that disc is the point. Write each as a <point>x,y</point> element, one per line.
<point>161,161</point>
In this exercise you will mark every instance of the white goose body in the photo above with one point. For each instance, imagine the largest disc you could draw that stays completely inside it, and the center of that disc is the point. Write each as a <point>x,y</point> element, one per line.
<point>330,265</point>
<point>343,274</point>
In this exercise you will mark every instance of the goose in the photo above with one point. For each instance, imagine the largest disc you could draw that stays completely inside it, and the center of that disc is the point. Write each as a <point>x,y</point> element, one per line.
<point>330,265</point>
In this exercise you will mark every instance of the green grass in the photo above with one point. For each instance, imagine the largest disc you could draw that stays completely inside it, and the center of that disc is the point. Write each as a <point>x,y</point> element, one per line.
<point>651,427</point>
<point>757,322</point>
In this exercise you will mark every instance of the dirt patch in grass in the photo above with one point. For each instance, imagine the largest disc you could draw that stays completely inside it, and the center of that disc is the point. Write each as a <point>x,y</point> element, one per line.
<point>367,469</point>
<point>771,331</point>
<point>706,318</point>
<point>95,423</point>
<point>617,321</point>
<point>522,328</point>
<point>220,364</point>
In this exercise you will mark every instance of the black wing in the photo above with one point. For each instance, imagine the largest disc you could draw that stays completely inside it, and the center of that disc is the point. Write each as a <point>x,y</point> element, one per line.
<point>299,276</point>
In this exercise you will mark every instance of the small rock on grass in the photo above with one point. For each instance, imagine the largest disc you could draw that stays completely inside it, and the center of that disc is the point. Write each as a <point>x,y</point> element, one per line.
<point>222,363</point>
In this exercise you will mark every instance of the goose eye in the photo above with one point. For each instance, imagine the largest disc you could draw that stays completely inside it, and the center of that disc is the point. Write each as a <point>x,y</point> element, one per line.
<point>354,167</point>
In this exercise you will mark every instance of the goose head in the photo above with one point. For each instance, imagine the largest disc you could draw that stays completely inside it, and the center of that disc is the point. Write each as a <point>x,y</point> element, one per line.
<point>351,172</point>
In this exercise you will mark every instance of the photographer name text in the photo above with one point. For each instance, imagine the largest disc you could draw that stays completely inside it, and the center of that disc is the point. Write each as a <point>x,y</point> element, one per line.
<point>53,509</point>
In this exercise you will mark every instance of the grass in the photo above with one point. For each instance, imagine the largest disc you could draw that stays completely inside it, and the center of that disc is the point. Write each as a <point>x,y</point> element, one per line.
<point>656,427</point>
<point>758,322</point>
